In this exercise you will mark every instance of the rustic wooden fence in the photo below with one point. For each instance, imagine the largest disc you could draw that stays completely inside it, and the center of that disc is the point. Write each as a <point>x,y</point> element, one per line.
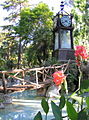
<point>19,74</point>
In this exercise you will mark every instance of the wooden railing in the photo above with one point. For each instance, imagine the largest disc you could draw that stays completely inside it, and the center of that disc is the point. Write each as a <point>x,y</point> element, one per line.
<point>46,73</point>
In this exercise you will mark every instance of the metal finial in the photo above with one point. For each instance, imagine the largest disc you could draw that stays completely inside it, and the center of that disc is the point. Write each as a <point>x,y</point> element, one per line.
<point>62,6</point>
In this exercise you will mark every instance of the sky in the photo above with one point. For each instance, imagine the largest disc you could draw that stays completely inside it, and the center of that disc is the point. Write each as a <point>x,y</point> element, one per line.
<point>55,4</point>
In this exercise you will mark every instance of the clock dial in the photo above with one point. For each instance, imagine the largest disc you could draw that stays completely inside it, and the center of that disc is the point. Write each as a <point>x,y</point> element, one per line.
<point>66,21</point>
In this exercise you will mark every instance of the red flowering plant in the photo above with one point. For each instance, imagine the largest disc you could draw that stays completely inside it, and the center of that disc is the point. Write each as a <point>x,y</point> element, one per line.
<point>58,78</point>
<point>80,54</point>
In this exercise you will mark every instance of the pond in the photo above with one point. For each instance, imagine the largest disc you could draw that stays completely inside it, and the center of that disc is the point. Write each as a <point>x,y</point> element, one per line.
<point>24,107</point>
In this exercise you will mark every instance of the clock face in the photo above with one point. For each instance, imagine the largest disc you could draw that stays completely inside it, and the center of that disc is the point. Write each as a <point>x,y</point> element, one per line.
<point>66,21</point>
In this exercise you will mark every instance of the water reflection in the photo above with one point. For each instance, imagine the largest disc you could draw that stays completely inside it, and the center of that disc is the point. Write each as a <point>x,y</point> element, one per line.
<point>25,105</point>
<point>27,94</point>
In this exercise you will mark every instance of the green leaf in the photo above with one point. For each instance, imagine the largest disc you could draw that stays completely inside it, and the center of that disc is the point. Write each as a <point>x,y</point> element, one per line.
<point>87,101</point>
<point>38,116</point>
<point>86,90</point>
<point>56,111</point>
<point>62,102</point>
<point>82,115</point>
<point>45,105</point>
<point>72,114</point>
<point>84,84</point>
<point>77,98</point>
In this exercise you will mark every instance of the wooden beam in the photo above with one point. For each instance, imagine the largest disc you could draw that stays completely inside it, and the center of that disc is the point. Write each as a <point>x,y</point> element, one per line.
<point>33,69</point>
<point>15,77</point>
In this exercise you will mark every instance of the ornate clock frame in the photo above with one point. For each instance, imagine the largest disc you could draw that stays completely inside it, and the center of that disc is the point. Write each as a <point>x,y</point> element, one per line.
<point>63,37</point>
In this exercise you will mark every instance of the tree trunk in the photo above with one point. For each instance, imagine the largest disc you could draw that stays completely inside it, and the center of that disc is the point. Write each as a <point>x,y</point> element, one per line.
<point>19,54</point>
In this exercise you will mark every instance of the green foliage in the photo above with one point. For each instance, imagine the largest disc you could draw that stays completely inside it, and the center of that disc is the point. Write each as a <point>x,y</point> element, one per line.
<point>72,114</point>
<point>84,84</point>
<point>8,49</point>
<point>51,61</point>
<point>72,78</point>
<point>2,62</point>
<point>82,115</point>
<point>38,116</point>
<point>45,105</point>
<point>9,64</point>
<point>62,102</point>
<point>81,16</point>
<point>87,102</point>
<point>37,33</point>
<point>29,39</point>
<point>56,111</point>
<point>14,8</point>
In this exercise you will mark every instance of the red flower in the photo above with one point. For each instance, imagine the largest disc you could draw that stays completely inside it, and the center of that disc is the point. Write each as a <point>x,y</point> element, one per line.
<point>58,77</point>
<point>81,51</point>
<point>80,54</point>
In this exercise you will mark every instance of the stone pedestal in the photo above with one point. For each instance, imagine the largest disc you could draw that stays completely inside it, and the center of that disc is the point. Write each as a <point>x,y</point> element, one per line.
<point>64,54</point>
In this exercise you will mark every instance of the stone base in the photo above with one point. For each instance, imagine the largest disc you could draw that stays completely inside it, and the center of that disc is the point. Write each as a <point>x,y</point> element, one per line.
<point>64,54</point>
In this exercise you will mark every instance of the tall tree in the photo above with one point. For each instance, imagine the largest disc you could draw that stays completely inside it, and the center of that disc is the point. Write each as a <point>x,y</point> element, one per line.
<point>14,8</point>
<point>8,48</point>
<point>36,24</point>
<point>81,15</point>
<point>32,30</point>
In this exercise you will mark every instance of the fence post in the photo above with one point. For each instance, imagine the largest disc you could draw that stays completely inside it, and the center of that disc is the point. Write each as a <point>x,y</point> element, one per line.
<point>4,83</point>
<point>23,76</point>
<point>37,78</point>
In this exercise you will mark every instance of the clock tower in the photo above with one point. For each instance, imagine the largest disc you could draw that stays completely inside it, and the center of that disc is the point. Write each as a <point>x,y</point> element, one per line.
<point>63,35</point>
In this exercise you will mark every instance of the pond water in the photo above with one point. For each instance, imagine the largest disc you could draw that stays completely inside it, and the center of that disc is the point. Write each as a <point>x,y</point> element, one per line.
<point>24,107</point>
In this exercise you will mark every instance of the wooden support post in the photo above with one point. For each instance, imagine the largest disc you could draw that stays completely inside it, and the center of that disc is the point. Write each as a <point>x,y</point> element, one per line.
<point>37,78</point>
<point>23,76</point>
<point>43,76</point>
<point>4,83</point>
